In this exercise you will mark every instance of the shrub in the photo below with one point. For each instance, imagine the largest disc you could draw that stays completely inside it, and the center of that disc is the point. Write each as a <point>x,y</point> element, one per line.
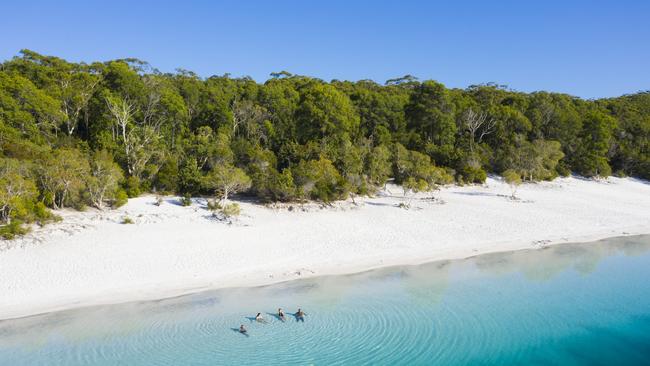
<point>513,179</point>
<point>132,187</point>
<point>282,187</point>
<point>214,205</point>
<point>563,170</point>
<point>121,198</point>
<point>13,229</point>
<point>43,214</point>
<point>186,200</point>
<point>231,210</point>
<point>127,220</point>
<point>190,179</point>
<point>472,174</point>
<point>226,180</point>
<point>48,198</point>
<point>318,179</point>
<point>167,177</point>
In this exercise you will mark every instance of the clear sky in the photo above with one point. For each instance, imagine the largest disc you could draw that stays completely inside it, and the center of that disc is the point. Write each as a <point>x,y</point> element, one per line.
<point>585,48</point>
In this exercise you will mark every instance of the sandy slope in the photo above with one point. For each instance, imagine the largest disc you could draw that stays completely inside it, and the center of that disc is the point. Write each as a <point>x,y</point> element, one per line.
<point>91,258</point>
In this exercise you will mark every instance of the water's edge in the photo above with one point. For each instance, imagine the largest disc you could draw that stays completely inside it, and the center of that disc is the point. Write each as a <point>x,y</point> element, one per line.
<point>585,303</point>
<point>134,296</point>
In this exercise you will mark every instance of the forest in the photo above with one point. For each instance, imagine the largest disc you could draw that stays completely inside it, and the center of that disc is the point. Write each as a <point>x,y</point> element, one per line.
<point>78,135</point>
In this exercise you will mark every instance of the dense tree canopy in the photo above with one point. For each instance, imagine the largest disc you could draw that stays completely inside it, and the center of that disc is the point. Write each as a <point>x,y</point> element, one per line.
<point>75,134</point>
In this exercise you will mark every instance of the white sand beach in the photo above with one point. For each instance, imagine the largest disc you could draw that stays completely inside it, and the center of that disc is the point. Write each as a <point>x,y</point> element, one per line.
<point>92,258</point>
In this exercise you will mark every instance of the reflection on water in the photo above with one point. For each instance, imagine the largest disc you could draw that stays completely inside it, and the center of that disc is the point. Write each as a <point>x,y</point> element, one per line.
<point>544,264</point>
<point>550,305</point>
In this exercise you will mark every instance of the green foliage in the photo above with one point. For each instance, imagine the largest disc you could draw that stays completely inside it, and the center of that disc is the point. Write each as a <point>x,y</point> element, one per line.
<point>537,160</point>
<point>168,176</point>
<point>430,118</point>
<point>214,205</point>
<point>121,198</point>
<point>43,215</point>
<point>190,178</point>
<point>13,229</point>
<point>632,135</point>
<point>324,111</point>
<point>186,200</point>
<point>127,220</point>
<point>225,180</point>
<point>231,210</point>
<point>18,191</point>
<point>595,140</point>
<point>75,134</point>
<point>282,187</point>
<point>378,166</point>
<point>103,184</point>
<point>132,186</point>
<point>513,179</point>
<point>64,174</point>
<point>319,180</point>
<point>418,166</point>
<point>472,174</point>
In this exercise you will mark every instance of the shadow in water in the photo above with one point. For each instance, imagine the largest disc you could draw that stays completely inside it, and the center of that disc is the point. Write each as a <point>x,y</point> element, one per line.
<point>278,317</point>
<point>245,334</point>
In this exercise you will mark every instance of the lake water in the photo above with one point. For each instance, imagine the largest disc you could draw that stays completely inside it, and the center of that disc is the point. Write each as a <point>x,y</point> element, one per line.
<point>574,304</point>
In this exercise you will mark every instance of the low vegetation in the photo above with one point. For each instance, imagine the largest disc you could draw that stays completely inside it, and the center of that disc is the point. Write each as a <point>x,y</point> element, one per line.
<point>514,181</point>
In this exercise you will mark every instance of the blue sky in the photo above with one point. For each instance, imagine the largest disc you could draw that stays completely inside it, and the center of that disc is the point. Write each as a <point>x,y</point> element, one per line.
<point>586,48</point>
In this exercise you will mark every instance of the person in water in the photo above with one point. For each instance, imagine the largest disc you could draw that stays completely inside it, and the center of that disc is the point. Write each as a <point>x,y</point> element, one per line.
<point>281,314</point>
<point>300,315</point>
<point>242,329</point>
<point>259,318</point>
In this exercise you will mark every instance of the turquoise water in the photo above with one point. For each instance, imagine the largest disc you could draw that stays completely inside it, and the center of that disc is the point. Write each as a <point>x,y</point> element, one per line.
<point>575,304</point>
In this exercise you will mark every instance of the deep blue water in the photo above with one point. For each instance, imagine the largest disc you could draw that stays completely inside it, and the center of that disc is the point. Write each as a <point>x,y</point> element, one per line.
<point>575,304</point>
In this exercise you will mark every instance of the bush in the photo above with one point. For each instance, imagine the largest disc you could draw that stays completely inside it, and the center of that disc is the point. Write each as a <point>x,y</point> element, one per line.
<point>231,210</point>
<point>472,174</point>
<point>513,179</point>
<point>281,186</point>
<point>186,200</point>
<point>121,198</point>
<point>563,170</point>
<point>190,179</point>
<point>43,214</point>
<point>167,177</point>
<point>318,179</point>
<point>127,220</point>
<point>15,228</point>
<point>48,198</point>
<point>132,187</point>
<point>214,205</point>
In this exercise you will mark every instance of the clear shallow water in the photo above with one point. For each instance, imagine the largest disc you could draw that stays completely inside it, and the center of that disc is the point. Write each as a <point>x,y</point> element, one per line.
<point>575,304</point>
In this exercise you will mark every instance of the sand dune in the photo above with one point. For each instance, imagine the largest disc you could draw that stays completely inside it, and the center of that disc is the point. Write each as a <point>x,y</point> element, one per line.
<point>91,258</point>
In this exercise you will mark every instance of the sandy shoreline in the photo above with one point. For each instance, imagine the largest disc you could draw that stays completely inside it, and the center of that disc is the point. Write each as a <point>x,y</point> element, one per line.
<point>90,258</point>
